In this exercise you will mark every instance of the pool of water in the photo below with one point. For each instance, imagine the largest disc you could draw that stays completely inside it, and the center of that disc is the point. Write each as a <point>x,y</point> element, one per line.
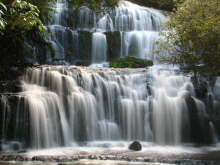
<point>115,153</point>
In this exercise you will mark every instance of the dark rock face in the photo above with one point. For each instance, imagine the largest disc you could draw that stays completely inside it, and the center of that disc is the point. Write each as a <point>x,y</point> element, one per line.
<point>75,46</point>
<point>13,117</point>
<point>114,45</point>
<point>10,86</point>
<point>199,123</point>
<point>135,146</point>
<point>13,120</point>
<point>201,86</point>
<point>85,47</point>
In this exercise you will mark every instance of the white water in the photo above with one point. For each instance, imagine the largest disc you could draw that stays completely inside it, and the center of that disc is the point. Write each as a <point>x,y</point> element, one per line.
<point>170,110</point>
<point>99,48</point>
<point>67,105</point>
<point>126,17</point>
<point>139,27</point>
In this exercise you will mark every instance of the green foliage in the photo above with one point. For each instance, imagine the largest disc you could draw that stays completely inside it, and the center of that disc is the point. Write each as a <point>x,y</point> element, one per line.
<point>194,35</point>
<point>93,4</point>
<point>18,19</point>
<point>3,9</point>
<point>43,5</point>
<point>21,17</point>
<point>159,4</point>
<point>131,62</point>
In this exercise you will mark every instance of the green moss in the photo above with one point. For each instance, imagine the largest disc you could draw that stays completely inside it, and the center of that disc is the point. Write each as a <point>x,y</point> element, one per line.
<point>58,59</point>
<point>131,62</point>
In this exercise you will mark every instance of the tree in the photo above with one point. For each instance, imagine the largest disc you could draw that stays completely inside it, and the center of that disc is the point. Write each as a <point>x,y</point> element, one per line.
<point>17,19</point>
<point>193,37</point>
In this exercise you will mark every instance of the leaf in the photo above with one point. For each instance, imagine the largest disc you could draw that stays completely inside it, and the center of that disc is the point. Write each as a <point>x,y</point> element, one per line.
<point>3,6</point>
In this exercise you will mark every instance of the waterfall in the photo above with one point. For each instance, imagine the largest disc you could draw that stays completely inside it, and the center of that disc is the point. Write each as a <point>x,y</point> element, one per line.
<point>169,105</point>
<point>139,28</point>
<point>130,17</point>
<point>88,104</point>
<point>69,104</point>
<point>65,105</point>
<point>99,48</point>
<point>141,44</point>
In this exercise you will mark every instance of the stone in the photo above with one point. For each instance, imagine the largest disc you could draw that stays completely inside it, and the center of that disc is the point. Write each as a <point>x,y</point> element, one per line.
<point>114,45</point>
<point>135,146</point>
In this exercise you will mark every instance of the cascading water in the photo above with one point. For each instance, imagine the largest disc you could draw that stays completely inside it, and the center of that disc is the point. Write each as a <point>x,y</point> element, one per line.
<point>99,105</point>
<point>64,105</point>
<point>99,48</point>
<point>139,28</point>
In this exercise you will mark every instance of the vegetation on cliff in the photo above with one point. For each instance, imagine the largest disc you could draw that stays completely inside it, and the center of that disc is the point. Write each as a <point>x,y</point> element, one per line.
<point>17,20</point>
<point>130,62</point>
<point>22,20</point>
<point>193,39</point>
<point>93,4</point>
<point>168,5</point>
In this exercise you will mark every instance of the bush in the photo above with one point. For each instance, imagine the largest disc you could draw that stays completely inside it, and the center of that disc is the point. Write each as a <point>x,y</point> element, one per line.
<point>168,5</point>
<point>193,36</point>
<point>131,62</point>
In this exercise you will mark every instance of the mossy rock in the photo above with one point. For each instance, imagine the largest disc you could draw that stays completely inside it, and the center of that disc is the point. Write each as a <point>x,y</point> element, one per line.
<point>135,146</point>
<point>131,62</point>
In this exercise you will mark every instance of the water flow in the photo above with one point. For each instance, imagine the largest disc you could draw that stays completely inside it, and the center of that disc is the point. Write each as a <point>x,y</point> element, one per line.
<point>139,27</point>
<point>170,110</point>
<point>141,44</point>
<point>130,17</point>
<point>89,104</point>
<point>64,105</point>
<point>99,48</point>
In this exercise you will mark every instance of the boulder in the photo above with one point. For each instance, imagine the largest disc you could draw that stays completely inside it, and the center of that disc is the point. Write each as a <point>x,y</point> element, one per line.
<point>135,146</point>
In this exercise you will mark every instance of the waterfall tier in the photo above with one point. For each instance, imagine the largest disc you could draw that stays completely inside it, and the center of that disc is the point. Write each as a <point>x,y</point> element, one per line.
<point>62,105</point>
<point>67,105</point>
<point>127,30</point>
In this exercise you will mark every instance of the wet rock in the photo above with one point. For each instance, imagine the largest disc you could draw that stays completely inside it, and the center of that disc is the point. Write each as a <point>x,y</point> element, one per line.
<point>15,146</point>
<point>114,45</point>
<point>135,146</point>
<point>85,46</point>
<point>201,90</point>
<point>200,83</point>
<point>198,122</point>
<point>1,145</point>
<point>10,86</point>
<point>22,151</point>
